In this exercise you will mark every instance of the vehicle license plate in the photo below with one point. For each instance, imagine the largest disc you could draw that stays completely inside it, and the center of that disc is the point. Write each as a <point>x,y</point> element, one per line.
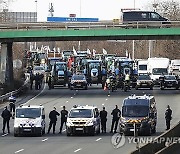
<point>78,85</point>
<point>79,128</point>
<point>131,130</point>
<point>27,130</point>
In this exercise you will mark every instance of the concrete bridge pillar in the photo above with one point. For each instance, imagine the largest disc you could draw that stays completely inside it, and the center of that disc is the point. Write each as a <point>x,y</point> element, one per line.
<point>6,66</point>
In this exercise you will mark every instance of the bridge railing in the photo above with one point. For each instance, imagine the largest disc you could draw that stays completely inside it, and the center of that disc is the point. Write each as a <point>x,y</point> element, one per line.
<point>6,96</point>
<point>87,25</point>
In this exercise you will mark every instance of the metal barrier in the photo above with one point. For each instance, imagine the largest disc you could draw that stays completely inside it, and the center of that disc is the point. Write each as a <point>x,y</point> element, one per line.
<point>6,96</point>
<point>159,142</point>
<point>88,25</point>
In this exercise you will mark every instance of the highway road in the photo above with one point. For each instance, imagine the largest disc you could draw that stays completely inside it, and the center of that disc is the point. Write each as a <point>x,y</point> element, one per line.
<point>101,144</point>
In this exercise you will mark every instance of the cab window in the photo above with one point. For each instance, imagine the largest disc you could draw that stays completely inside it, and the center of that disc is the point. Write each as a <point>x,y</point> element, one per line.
<point>155,16</point>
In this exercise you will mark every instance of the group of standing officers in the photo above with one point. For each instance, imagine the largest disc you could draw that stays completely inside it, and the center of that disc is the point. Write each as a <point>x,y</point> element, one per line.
<point>53,119</point>
<point>116,113</point>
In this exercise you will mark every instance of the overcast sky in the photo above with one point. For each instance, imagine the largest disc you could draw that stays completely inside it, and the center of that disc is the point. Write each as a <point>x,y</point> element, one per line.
<point>102,9</point>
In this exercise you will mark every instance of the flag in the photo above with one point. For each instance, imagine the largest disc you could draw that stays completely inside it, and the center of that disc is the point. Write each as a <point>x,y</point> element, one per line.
<point>54,49</point>
<point>42,48</point>
<point>94,53</point>
<point>74,51</point>
<point>88,51</point>
<point>58,49</point>
<point>129,56</point>
<point>126,53</point>
<point>104,52</point>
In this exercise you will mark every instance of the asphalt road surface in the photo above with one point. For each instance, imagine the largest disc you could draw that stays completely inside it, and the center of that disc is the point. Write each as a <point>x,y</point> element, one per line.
<point>81,144</point>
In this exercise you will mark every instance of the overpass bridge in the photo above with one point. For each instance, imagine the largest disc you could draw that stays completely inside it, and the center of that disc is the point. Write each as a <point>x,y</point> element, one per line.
<point>48,31</point>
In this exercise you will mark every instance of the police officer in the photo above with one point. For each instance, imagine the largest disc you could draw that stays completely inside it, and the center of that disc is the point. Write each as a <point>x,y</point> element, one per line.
<point>6,117</point>
<point>31,80</point>
<point>103,116</point>
<point>116,113</point>
<point>12,101</point>
<point>64,114</point>
<point>168,117</point>
<point>37,81</point>
<point>53,118</point>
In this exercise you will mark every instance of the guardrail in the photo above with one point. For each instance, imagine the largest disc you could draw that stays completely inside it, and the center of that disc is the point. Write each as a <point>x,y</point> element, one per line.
<point>6,96</point>
<point>173,148</point>
<point>88,25</point>
<point>159,142</point>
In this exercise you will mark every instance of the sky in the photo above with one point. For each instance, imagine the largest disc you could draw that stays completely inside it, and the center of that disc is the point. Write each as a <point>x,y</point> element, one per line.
<point>102,9</point>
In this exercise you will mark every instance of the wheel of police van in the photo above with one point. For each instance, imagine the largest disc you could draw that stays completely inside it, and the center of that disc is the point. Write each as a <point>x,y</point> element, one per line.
<point>71,88</point>
<point>92,132</point>
<point>98,132</point>
<point>136,87</point>
<point>151,88</point>
<point>43,132</point>
<point>153,130</point>
<point>40,133</point>
<point>177,88</point>
<point>68,134</point>
<point>15,135</point>
<point>86,87</point>
<point>148,133</point>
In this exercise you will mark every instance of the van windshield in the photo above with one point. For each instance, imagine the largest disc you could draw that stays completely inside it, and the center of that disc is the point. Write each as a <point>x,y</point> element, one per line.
<point>28,113</point>
<point>159,71</point>
<point>135,111</point>
<point>80,113</point>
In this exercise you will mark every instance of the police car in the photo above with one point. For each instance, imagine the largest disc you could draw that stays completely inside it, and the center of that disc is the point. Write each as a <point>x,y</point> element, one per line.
<point>83,119</point>
<point>78,81</point>
<point>139,115</point>
<point>29,120</point>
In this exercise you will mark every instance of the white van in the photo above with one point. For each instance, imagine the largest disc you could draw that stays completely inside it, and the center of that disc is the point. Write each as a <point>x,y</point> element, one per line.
<point>29,120</point>
<point>83,119</point>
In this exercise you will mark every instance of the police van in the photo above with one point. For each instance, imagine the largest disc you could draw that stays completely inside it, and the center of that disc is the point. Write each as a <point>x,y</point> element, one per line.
<point>139,115</point>
<point>83,119</point>
<point>29,120</point>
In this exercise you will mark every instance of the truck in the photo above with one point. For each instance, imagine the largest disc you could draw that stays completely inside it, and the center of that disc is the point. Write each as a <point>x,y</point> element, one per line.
<point>142,66</point>
<point>60,74</point>
<point>157,67</point>
<point>30,120</point>
<point>175,67</point>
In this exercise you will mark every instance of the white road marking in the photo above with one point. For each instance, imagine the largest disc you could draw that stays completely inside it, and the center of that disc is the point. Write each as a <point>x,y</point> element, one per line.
<point>98,139</point>
<point>71,97</point>
<point>64,130</point>
<point>4,135</point>
<point>19,150</point>
<point>78,150</point>
<point>102,104</point>
<point>67,101</point>
<point>106,99</point>
<point>45,140</point>
<point>36,95</point>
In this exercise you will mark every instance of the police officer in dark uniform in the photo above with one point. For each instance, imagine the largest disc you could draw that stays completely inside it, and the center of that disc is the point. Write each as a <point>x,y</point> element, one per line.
<point>168,117</point>
<point>116,113</point>
<point>103,116</point>
<point>6,115</point>
<point>37,81</point>
<point>12,101</point>
<point>64,114</point>
<point>53,118</point>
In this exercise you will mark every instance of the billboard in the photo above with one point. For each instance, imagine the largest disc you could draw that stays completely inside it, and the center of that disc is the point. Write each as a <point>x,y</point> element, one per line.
<point>71,19</point>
